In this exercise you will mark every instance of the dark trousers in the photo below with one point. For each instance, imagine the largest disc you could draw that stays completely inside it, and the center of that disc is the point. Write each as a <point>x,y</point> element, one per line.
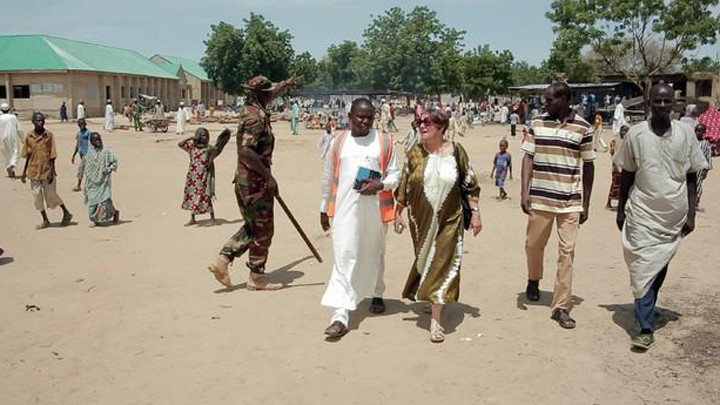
<point>512,129</point>
<point>645,306</point>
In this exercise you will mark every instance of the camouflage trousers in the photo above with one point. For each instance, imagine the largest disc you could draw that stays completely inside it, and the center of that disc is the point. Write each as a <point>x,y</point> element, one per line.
<point>137,123</point>
<point>256,207</point>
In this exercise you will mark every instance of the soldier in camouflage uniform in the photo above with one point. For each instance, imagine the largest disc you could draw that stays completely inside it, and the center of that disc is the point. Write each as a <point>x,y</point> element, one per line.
<point>137,111</point>
<point>255,186</point>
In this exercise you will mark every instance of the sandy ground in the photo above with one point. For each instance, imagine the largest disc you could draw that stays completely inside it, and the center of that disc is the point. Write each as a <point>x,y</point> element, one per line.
<point>128,314</point>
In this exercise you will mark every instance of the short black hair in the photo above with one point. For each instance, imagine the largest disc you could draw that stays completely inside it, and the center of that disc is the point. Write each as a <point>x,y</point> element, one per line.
<point>654,89</point>
<point>362,101</point>
<point>561,89</point>
<point>37,114</point>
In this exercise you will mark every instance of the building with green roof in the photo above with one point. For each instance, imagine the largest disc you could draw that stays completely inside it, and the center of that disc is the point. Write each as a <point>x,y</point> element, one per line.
<point>40,72</point>
<point>195,85</point>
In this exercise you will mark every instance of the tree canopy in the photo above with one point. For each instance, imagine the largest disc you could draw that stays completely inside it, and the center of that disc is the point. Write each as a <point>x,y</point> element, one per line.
<point>635,39</point>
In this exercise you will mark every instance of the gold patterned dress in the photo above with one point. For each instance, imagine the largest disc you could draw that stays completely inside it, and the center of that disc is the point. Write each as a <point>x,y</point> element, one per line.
<point>430,188</point>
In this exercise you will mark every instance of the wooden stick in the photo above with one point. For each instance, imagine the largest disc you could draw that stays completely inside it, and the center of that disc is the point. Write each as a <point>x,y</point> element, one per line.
<point>298,228</point>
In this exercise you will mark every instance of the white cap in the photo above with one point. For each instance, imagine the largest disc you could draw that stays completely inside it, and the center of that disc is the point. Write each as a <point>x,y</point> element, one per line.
<point>4,107</point>
<point>382,100</point>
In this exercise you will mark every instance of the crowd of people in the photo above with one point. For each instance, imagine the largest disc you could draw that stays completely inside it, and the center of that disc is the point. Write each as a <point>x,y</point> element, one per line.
<point>658,168</point>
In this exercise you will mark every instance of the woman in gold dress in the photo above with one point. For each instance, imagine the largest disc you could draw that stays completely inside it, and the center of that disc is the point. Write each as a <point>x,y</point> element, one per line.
<point>436,177</point>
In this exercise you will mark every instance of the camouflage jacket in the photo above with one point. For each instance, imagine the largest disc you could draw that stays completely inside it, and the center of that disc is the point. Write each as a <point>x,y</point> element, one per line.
<point>255,133</point>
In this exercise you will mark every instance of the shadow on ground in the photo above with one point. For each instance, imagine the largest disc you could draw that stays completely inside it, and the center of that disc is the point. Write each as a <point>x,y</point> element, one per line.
<point>545,300</point>
<point>624,317</point>
<point>285,275</point>
<point>452,316</point>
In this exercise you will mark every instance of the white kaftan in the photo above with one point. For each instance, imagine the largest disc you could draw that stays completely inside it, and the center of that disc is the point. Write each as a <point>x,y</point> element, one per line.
<point>358,233</point>
<point>657,206</point>
<point>618,118</point>
<point>504,114</point>
<point>80,111</point>
<point>10,140</point>
<point>109,118</point>
<point>180,118</point>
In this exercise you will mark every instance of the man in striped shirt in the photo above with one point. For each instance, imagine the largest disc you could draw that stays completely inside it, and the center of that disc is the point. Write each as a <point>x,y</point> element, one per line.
<point>556,189</point>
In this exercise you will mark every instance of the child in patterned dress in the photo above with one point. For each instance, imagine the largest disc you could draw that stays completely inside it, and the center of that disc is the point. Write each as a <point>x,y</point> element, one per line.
<point>200,180</point>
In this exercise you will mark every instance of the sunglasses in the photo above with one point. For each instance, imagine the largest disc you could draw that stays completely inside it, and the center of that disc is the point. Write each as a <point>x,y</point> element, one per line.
<point>426,121</point>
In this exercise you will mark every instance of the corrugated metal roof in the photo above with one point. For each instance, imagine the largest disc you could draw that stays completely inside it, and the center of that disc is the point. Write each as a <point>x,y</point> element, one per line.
<point>44,52</point>
<point>172,64</point>
<point>572,86</point>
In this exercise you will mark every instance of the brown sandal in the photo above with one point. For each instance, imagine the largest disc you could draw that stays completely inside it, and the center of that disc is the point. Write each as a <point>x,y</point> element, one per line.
<point>336,330</point>
<point>563,319</point>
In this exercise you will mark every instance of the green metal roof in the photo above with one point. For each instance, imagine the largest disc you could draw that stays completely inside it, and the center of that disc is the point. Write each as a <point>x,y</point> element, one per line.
<point>172,64</point>
<point>44,52</point>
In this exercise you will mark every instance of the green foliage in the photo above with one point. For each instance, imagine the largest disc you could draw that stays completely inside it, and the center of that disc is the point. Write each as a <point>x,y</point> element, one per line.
<point>487,71</point>
<point>342,67</point>
<point>706,64</point>
<point>566,61</point>
<point>223,54</point>
<point>413,52</point>
<point>524,73</point>
<point>304,69</point>
<point>267,49</point>
<point>635,38</point>
<point>234,55</point>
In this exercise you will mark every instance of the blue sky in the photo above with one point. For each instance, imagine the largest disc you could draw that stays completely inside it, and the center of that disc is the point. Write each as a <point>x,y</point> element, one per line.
<point>179,27</point>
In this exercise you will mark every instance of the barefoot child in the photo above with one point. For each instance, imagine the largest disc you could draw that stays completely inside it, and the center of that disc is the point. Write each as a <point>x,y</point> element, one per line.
<point>200,181</point>
<point>99,164</point>
<point>40,152</point>
<point>502,165</point>
<point>82,140</point>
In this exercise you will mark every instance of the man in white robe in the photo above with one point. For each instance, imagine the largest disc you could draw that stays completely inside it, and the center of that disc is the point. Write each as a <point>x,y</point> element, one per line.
<point>504,111</point>
<point>180,118</point>
<point>619,118</point>
<point>10,139</point>
<point>358,231</point>
<point>109,116</point>
<point>81,110</point>
<point>660,159</point>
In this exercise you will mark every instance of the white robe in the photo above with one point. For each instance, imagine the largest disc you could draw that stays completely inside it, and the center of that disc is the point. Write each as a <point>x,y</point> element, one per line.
<point>504,114</point>
<point>657,207</point>
<point>109,118</point>
<point>358,233</point>
<point>80,111</point>
<point>10,139</point>
<point>181,117</point>
<point>619,118</point>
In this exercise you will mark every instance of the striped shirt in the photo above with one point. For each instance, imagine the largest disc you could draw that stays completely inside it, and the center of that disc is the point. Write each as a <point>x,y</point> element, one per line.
<point>558,150</point>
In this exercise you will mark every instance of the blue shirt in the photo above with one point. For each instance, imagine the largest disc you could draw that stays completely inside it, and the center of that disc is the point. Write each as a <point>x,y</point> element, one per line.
<point>83,139</point>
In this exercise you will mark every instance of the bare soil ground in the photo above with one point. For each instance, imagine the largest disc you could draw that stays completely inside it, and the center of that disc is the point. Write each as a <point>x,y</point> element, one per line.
<point>128,314</point>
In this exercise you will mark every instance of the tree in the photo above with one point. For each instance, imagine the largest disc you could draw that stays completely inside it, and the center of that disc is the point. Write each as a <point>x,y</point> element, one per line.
<point>304,69</point>
<point>234,55</point>
<point>413,52</point>
<point>223,53</point>
<point>487,71</point>
<point>705,64</point>
<point>524,73</point>
<point>267,50</point>
<point>652,35</point>
<point>566,61</point>
<point>341,66</point>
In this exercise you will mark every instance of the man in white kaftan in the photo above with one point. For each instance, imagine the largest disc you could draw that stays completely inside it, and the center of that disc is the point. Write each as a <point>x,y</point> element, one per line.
<point>180,118</point>
<point>660,159</point>
<point>619,118</point>
<point>109,116</point>
<point>504,111</point>
<point>358,231</point>
<point>81,110</point>
<point>10,139</point>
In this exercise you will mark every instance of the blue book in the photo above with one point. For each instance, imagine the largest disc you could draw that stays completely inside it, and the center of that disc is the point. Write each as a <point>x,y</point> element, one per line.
<point>365,173</point>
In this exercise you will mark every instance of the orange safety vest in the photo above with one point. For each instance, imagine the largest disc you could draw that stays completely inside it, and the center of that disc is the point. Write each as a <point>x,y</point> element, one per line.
<point>387,203</point>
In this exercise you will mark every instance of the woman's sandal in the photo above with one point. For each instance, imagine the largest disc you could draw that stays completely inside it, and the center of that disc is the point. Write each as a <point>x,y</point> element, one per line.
<point>437,333</point>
